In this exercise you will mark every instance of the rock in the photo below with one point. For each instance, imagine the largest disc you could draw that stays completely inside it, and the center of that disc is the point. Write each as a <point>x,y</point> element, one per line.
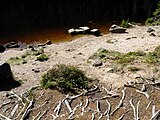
<point>72,31</point>
<point>79,31</point>
<point>5,72</point>
<point>117,29</point>
<point>97,63</point>
<point>12,45</point>
<point>95,32</point>
<point>48,42</point>
<point>149,30</point>
<point>152,34</point>
<point>85,29</point>
<point>2,48</point>
<point>36,70</point>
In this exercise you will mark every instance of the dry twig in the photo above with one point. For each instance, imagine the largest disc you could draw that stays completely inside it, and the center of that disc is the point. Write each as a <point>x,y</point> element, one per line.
<point>120,102</point>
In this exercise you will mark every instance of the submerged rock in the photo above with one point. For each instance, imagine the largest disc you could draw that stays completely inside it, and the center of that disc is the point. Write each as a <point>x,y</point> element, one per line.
<point>117,29</point>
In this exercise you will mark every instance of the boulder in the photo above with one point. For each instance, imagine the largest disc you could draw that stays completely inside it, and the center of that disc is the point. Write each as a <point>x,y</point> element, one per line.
<point>95,32</point>
<point>48,42</point>
<point>149,30</point>
<point>117,29</point>
<point>72,31</point>
<point>97,63</point>
<point>79,31</point>
<point>5,72</point>
<point>2,48</point>
<point>12,45</point>
<point>85,29</point>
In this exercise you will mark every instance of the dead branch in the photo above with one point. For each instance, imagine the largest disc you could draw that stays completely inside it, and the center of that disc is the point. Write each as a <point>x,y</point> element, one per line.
<point>36,116</point>
<point>68,106</point>
<point>144,93</point>
<point>153,110</point>
<point>6,109</point>
<point>40,105</point>
<point>54,117</point>
<point>41,94</point>
<point>14,110</point>
<point>155,115</point>
<point>107,112</point>
<point>93,115</point>
<point>101,115</point>
<point>148,105</point>
<point>17,96</point>
<point>6,118</point>
<point>122,116</point>
<point>83,108</point>
<point>143,88</point>
<point>74,109</point>
<point>134,110</point>
<point>98,106</point>
<point>58,107</point>
<point>111,93</point>
<point>138,110</point>
<point>26,112</point>
<point>21,111</point>
<point>120,102</point>
<point>42,114</point>
<point>5,103</point>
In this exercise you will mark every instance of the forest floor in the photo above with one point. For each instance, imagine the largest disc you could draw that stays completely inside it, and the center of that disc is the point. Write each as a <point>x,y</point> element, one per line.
<point>117,82</point>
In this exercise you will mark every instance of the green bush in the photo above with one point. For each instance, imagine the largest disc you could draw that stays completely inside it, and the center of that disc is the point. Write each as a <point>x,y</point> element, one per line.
<point>42,57</point>
<point>64,78</point>
<point>149,21</point>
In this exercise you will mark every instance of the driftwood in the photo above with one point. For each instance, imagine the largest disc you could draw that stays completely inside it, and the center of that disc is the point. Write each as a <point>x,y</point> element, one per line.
<point>155,115</point>
<point>138,110</point>
<point>17,96</point>
<point>14,110</point>
<point>122,116</point>
<point>6,118</point>
<point>74,109</point>
<point>93,116</point>
<point>5,103</point>
<point>36,116</point>
<point>144,93</point>
<point>120,102</point>
<point>148,105</point>
<point>42,114</point>
<point>134,110</point>
<point>68,106</point>
<point>26,112</point>
<point>85,106</point>
<point>107,112</point>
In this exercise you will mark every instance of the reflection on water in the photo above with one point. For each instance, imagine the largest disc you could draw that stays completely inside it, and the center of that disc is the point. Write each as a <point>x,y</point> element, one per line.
<point>56,35</point>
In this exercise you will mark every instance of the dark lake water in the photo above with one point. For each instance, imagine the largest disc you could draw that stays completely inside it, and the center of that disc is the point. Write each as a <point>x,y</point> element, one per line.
<point>56,35</point>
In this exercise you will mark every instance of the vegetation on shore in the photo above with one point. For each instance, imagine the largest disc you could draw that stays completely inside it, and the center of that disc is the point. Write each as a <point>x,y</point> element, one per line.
<point>65,78</point>
<point>155,20</point>
<point>39,54</point>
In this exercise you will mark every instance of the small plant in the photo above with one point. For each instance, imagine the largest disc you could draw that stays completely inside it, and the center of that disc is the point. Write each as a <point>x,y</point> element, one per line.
<point>43,57</point>
<point>149,21</point>
<point>151,58</point>
<point>64,78</point>
<point>125,23</point>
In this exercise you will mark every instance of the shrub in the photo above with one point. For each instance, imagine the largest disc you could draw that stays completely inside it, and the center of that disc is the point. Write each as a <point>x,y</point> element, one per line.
<point>149,21</point>
<point>125,24</point>
<point>42,57</point>
<point>64,78</point>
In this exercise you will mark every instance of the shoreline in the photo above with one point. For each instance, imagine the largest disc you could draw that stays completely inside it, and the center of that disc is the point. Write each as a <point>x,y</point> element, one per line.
<point>77,52</point>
